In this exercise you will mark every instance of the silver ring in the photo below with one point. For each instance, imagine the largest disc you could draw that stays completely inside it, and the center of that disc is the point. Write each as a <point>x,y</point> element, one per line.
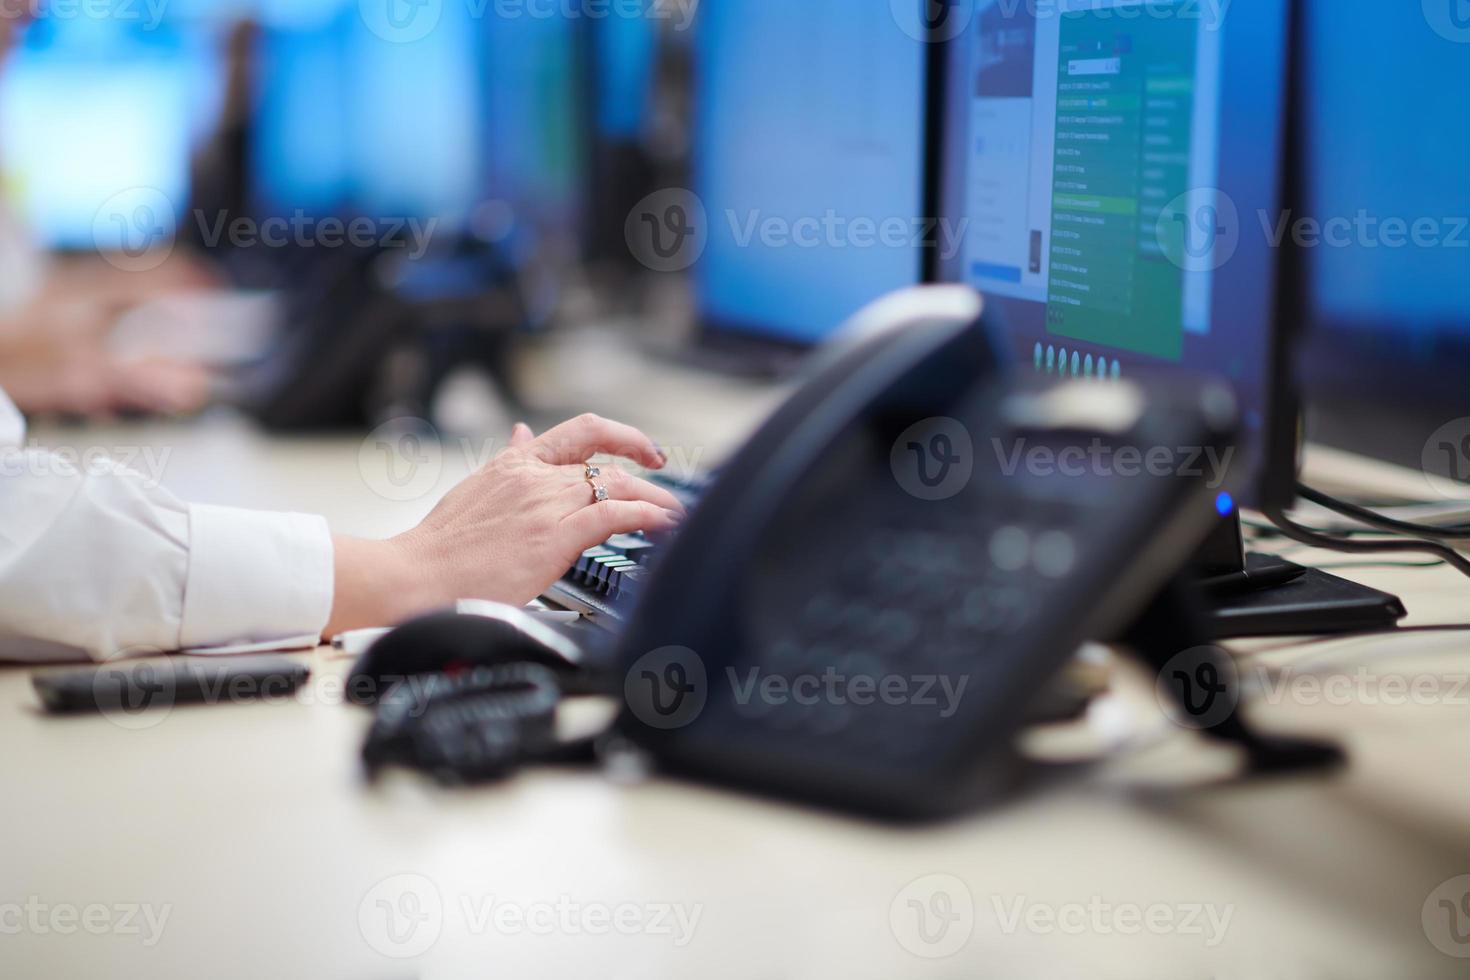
<point>599,493</point>
<point>593,472</point>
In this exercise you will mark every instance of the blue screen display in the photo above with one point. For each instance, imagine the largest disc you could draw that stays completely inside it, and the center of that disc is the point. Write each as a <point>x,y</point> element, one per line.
<point>1386,121</point>
<point>347,120</point>
<point>808,161</point>
<point>96,112</point>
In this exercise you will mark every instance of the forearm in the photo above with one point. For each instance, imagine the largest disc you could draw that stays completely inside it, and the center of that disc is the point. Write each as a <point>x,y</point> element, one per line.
<point>378,583</point>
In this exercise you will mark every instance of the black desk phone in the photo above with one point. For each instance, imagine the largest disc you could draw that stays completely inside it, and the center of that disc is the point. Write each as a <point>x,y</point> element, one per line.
<point>868,598</point>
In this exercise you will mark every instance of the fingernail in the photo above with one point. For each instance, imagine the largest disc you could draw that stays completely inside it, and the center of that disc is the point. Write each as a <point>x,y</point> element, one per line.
<point>663,457</point>
<point>674,515</point>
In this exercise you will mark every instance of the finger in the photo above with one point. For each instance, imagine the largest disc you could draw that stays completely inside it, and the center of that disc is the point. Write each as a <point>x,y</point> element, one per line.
<point>521,436</point>
<point>594,524</point>
<point>586,436</point>
<point>622,486</point>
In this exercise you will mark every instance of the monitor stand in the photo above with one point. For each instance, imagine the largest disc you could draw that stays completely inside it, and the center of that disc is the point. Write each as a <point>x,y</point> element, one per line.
<point>1261,595</point>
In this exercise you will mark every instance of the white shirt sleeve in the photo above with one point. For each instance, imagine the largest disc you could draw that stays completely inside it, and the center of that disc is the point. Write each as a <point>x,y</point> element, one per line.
<point>100,562</point>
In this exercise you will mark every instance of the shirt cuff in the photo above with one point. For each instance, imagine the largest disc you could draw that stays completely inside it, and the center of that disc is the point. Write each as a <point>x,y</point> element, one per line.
<point>256,580</point>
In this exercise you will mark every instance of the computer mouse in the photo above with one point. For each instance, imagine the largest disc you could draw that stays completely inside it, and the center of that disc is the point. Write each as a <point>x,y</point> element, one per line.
<point>449,642</point>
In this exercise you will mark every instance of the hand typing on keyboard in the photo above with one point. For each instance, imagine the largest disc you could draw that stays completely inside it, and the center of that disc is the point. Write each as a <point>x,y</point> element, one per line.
<point>510,530</point>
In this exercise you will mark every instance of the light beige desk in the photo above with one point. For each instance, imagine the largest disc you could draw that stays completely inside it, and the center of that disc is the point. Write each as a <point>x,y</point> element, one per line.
<point>250,829</point>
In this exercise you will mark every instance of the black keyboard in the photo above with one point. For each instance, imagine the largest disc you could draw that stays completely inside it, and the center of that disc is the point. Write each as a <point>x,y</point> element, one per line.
<point>608,580</point>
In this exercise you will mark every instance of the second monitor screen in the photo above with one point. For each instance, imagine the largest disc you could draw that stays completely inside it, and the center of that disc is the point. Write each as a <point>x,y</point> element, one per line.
<point>808,158</point>
<point>1085,166</point>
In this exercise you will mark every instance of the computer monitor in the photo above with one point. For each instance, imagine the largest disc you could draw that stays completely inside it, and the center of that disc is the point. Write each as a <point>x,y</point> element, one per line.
<point>1104,162</point>
<point>808,147</point>
<point>1383,220</point>
<point>97,118</point>
<point>536,120</point>
<point>350,122</point>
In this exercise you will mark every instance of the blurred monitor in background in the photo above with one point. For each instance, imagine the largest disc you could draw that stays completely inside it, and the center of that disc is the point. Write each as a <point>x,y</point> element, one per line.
<point>535,121</point>
<point>348,122</point>
<point>1384,227</point>
<point>97,119</point>
<point>808,141</point>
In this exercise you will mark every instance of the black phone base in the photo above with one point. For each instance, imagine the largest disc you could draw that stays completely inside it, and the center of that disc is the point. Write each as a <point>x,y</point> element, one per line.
<point>1250,595</point>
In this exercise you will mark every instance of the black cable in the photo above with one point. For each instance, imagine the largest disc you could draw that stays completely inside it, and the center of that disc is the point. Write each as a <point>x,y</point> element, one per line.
<point>1319,539</point>
<point>1377,520</point>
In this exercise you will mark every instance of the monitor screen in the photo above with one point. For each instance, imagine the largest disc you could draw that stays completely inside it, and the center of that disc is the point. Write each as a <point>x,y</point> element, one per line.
<point>97,121</point>
<point>533,143</point>
<point>808,161</point>
<point>625,54</point>
<point>1104,163</point>
<point>350,121</point>
<point>1383,221</point>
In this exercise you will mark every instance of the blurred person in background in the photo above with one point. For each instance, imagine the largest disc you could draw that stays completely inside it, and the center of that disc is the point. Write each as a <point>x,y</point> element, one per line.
<point>56,316</point>
<point>97,561</point>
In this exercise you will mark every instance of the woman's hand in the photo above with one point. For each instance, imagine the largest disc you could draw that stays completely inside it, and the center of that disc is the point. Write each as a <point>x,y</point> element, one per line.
<point>508,531</point>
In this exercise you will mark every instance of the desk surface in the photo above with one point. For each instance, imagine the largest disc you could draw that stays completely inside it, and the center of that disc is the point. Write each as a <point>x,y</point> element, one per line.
<point>240,841</point>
